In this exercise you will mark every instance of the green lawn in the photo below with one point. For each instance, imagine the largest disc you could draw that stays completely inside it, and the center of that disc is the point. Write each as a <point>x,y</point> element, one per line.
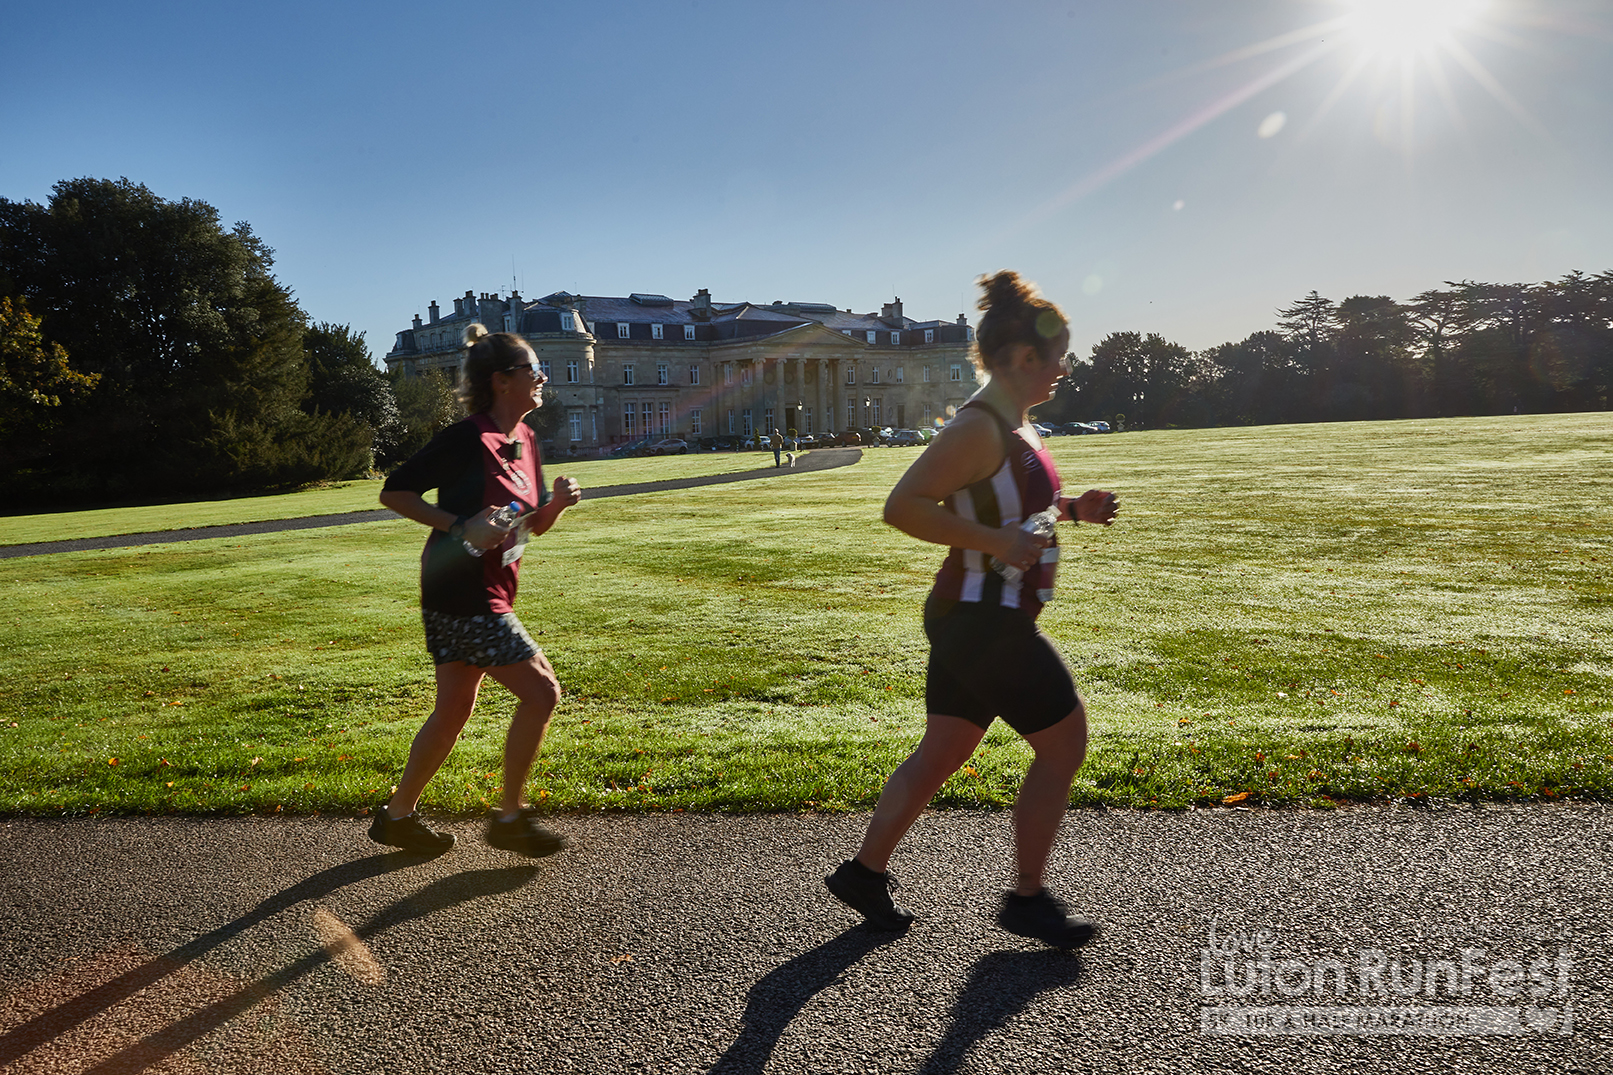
<point>339,497</point>
<point>1290,614</point>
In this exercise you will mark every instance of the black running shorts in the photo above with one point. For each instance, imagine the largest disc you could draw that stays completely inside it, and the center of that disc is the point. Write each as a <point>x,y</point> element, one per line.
<point>987,661</point>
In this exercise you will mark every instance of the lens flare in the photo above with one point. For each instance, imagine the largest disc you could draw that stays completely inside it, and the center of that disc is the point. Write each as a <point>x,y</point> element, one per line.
<point>1403,28</point>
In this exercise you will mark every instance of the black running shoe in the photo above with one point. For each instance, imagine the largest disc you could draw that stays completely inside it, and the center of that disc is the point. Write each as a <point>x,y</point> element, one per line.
<point>1044,918</point>
<point>869,894</point>
<point>409,833</point>
<point>523,835</point>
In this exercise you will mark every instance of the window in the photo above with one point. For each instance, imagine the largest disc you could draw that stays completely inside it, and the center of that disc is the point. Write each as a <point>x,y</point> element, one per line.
<point>663,373</point>
<point>656,331</point>
<point>728,376</point>
<point>576,426</point>
<point>694,374</point>
<point>664,417</point>
<point>851,374</point>
<point>876,422</point>
<point>957,372</point>
<point>929,414</point>
<point>627,373</point>
<point>568,322</point>
<point>926,375</point>
<point>629,414</point>
<point>969,335</point>
<point>873,375</point>
<point>694,422</point>
<point>744,373</point>
<point>644,413</point>
<point>901,415</point>
<point>829,418</point>
<point>767,421</point>
<point>688,332</point>
<point>929,335</point>
<point>543,364</point>
<point>806,420</point>
<point>847,331</point>
<point>623,329</point>
<point>851,410</point>
<point>730,419</point>
<point>745,419</point>
<point>901,374</point>
<point>896,337</point>
<point>870,335</point>
<point>571,372</point>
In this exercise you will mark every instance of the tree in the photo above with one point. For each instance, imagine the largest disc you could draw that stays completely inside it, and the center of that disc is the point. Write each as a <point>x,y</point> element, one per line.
<point>342,379</point>
<point>547,419</point>
<point>34,379</point>
<point>197,346</point>
<point>427,404</point>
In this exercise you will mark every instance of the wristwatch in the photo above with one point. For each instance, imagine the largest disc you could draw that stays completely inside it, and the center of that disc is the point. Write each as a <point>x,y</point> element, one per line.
<point>457,531</point>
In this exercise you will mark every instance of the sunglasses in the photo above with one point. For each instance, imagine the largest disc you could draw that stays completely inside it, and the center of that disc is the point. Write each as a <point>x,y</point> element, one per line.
<point>529,367</point>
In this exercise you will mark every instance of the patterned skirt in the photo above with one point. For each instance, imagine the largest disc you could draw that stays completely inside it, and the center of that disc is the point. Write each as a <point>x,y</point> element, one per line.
<point>484,641</point>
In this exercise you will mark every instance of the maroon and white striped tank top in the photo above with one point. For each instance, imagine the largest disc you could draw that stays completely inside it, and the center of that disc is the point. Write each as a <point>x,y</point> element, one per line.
<point>1025,484</point>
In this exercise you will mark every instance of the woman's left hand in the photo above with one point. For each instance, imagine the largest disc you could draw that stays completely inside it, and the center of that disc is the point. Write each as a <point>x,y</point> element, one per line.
<point>1093,506</point>
<point>566,491</point>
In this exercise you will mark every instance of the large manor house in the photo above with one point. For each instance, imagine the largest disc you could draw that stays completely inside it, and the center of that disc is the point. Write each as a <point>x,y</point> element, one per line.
<point>647,365</point>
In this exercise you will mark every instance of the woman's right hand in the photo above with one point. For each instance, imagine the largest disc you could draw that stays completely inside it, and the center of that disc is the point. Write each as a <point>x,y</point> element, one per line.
<point>482,533</point>
<point>1021,548</point>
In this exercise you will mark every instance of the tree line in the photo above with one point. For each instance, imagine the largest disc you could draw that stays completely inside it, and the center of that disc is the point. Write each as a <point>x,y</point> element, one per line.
<point>148,351</point>
<point>1467,349</point>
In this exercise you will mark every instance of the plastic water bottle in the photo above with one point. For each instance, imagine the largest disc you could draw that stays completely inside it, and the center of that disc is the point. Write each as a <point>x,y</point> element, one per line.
<point>502,517</point>
<point>1042,524</point>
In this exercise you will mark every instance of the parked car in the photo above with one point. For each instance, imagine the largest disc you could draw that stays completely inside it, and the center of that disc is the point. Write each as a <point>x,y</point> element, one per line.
<point>630,449</point>
<point>1042,430</point>
<point>906,438</point>
<point>669,446</point>
<point>806,441</point>
<point>1099,427</point>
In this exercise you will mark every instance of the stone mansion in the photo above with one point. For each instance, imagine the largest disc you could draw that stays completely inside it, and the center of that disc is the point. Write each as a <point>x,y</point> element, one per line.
<point>644,365</point>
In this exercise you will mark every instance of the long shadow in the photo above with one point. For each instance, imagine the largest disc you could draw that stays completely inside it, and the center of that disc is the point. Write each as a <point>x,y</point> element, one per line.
<point>438,896</point>
<point>780,995</point>
<point>1000,986</point>
<point>70,1013</point>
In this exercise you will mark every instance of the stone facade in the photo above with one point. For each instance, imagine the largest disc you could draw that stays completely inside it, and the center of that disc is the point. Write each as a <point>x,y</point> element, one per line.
<point>646,365</point>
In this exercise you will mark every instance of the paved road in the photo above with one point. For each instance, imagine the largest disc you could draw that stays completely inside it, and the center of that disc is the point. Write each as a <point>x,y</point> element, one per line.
<point>685,943</point>
<point>821,459</point>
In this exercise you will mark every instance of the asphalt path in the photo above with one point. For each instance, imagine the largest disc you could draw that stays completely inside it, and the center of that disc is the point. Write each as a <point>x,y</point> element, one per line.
<point>819,459</point>
<point>698,943</point>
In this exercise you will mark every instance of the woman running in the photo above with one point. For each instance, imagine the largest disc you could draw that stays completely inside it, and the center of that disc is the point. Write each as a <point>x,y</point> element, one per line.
<point>478,466</point>
<point>985,474</point>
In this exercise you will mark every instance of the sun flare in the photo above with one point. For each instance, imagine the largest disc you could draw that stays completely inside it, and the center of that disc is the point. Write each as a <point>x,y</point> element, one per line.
<point>1405,28</point>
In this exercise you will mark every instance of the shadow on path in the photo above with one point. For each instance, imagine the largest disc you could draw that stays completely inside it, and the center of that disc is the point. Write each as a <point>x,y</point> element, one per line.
<point>437,896</point>
<point>821,459</point>
<point>780,995</point>
<point>1001,985</point>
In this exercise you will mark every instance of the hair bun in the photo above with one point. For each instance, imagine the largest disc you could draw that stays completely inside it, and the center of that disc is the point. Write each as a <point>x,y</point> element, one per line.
<point>474,332</point>
<point>1003,291</point>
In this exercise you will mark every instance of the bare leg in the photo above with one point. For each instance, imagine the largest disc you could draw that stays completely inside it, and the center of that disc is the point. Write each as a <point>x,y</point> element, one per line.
<point>457,684</point>
<point>1044,797</point>
<point>947,744</point>
<point>536,686</point>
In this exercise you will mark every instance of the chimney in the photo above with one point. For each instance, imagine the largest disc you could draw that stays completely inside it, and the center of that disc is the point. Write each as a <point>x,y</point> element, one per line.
<point>962,320</point>
<point>891,313</point>
<point>417,321</point>
<point>459,307</point>
<point>702,299</point>
<point>432,310</point>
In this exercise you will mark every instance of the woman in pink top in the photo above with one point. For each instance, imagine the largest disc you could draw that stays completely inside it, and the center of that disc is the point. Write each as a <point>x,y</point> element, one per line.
<point>970,490</point>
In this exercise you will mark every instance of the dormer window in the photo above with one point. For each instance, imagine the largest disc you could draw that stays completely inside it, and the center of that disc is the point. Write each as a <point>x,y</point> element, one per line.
<point>929,335</point>
<point>657,330</point>
<point>688,332</point>
<point>870,334</point>
<point>896,337</point>
<point>568,322</point>
<point>622,330</point>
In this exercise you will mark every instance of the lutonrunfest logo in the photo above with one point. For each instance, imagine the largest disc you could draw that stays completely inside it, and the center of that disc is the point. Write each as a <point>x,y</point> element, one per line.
<point>1251,986</point>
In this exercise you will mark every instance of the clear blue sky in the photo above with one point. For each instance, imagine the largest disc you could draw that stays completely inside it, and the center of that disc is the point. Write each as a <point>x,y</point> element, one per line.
<point>1129,157</point>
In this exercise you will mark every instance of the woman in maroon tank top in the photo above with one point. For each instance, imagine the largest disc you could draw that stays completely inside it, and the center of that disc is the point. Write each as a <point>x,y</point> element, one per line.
<point>970,490</point>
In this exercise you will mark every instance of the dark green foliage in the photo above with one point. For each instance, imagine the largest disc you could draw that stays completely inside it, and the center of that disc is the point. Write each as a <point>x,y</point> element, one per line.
<point>198,349</point>
<point>426,404</point>
<point>34,379</point>
<point>343,380</point>
<point>546,420</point>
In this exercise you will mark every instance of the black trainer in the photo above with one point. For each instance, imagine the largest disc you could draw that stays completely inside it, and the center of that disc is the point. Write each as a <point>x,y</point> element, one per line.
<point>869,894</point>
<point>409,833</point>
<point>523,835</point>
<point>1044,918</point>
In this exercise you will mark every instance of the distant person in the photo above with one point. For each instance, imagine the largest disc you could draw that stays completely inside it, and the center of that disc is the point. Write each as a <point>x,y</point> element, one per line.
<point>478,465</point>
<point>777,441</point>
<point>970,490</point>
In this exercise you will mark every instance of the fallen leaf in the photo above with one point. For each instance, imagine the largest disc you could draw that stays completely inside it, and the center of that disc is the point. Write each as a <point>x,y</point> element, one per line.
<point>1237,798</point>
<point>625,957</point>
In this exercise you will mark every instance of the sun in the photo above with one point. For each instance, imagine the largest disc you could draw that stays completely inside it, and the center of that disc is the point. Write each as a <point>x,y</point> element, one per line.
<point>1402,29</point>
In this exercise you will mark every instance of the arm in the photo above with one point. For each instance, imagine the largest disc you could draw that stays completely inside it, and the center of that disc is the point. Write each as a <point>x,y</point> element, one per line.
<point>966,451</point>
<point>1097,506</point>
<point>411,505</point>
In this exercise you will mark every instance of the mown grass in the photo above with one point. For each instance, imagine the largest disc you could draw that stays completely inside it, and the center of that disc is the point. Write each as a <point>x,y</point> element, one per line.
<point>1304,614</point>
<point>337,497</point>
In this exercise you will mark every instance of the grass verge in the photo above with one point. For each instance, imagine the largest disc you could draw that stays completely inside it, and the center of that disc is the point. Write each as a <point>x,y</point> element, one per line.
<point>1304,614</point>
